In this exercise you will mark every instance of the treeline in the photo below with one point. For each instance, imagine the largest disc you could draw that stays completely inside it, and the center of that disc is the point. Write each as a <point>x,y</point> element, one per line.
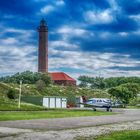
<point>104,83</point>
<point>27,77</point>
<point>122,89</point>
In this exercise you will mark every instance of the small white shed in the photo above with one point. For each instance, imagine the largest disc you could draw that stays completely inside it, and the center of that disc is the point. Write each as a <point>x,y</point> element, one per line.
<point>55,102</point>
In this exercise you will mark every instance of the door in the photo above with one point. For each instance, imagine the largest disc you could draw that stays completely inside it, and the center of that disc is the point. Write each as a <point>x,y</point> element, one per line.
<point>52,102</point>
<point>58,102</point>
<point>64,102</point>
<point>46,102</point>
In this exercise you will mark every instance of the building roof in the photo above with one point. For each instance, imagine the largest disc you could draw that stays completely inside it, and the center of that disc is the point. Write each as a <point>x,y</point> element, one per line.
<point>59,76</point>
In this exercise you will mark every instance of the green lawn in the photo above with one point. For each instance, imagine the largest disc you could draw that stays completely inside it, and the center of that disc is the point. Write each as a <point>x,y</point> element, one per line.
<point>118,135</point>
<point>123,135</point>
<point>133,107</point>
<point>25,115</point>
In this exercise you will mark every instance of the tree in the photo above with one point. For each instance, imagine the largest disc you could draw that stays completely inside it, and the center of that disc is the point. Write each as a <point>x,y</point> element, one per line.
<point>125,92</point>
<point>84,81</point>
<point>97,82</point>
<point>46,78</point>
<point>27,77</point>
<point>116,81</point>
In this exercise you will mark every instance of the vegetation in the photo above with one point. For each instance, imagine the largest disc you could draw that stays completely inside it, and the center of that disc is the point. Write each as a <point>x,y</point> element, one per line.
<point>27,77</point>
<point>118,135</point>
<point>12,105</point>
<point>125,92</point>
<point>123,89</point>
<point>61,113</point>
<point>97,82</point>
<point>104,83</point>
<point>36,84</point>
<point>11,94</point>
<point>40,84</point>
<point>123,135</point>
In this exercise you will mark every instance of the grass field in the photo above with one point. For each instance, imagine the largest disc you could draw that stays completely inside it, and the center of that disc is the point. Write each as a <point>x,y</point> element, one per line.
<point>123,135</point>
<point>118,135</point>
<point>133,107</point>
<point>61,113</point>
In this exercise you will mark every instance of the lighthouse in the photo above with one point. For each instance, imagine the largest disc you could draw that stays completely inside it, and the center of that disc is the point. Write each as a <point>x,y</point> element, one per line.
<point>59,78</point>
<point>43,47</point>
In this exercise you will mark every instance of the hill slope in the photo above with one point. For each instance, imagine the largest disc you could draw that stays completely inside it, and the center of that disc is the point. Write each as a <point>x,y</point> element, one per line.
<point>30,90</point>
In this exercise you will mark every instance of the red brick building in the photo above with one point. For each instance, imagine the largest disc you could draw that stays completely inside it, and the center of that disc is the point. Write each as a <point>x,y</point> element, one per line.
<point>61,78</point>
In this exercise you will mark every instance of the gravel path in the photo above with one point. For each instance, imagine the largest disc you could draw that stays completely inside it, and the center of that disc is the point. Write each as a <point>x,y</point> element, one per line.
<point>72,133</point>
<point>5,131</point>
<point>75,122</point>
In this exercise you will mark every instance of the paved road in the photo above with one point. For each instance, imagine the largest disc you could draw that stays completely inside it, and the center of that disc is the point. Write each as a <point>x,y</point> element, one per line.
<point>75,122</point>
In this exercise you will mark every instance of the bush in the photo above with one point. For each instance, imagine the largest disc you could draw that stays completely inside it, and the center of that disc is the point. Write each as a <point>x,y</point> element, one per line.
<point>71,101</point>
<point>40,85</point>
<point>135,102</point>
<point>11,94</point>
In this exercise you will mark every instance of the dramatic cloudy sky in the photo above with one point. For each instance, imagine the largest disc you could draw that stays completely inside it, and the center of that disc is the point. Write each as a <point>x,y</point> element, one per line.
<point>86,37</point>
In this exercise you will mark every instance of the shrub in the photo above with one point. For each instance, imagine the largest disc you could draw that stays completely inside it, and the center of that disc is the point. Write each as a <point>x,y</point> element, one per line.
<point>11,94</point>
<point>40,85</point>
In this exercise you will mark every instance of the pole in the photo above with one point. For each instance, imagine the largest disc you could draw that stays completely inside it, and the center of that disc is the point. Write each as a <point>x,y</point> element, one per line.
<point>19,99</point>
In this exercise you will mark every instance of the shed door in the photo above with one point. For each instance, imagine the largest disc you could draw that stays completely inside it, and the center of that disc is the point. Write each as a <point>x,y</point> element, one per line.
<point>58,102</point>
<point>52,102</point>
<point>46,102</point>
<point>64,102</point>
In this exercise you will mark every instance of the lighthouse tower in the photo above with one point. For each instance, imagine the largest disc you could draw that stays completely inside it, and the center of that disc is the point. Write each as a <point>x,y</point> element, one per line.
<point>43,47</point>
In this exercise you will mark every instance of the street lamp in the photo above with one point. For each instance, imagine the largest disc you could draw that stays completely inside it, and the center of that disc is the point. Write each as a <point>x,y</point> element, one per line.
<point>19,99</point>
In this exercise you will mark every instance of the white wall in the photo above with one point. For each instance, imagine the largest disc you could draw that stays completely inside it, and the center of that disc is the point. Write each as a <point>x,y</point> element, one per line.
<point>55,102</point>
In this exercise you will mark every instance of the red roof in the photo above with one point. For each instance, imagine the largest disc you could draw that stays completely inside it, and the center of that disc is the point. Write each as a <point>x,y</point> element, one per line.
<point>58,76</point>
